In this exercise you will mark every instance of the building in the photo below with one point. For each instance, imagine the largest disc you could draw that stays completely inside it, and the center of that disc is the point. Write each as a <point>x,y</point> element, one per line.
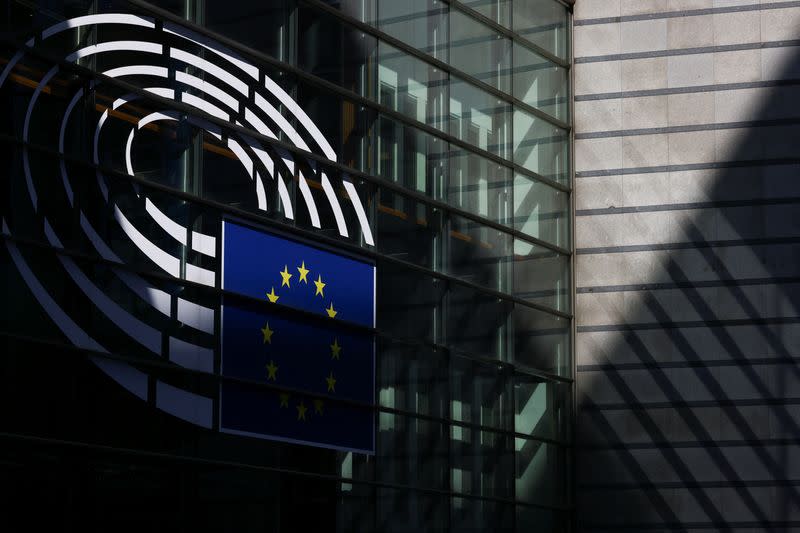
<point>426,142</point>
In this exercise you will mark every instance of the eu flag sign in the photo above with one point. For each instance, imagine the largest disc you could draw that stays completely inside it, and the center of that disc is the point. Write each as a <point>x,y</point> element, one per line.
<point>318,361</point>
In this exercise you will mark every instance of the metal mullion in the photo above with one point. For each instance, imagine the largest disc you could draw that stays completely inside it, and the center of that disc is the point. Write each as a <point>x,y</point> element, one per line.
<point>345,93</point>
<point>217,463</point>
<point>82,256</point>
<point>499,28</point>
<point>438,63</point>
<point>154,364</point>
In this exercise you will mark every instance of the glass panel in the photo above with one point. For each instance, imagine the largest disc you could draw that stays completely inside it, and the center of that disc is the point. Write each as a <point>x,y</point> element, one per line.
<point>411,451</point>
<point>541,211</point>
<point>477,323</point>
<point>335,51</point>
<point>409,303</point>
<point>541,83</point>
<point>541,275</point>
<point>411,86</point>
<point>412,378</point>
<point>481,394</point>
<point>418,23</point>
<point>479,254</point>
<point>543,22</point>
<point>482,462</point>
<point>541,341</point>
<point>254,23</point>
<point>405,511</point>
<point>479,186</point>
<point>542,471</point>
<point>478,516</point>
<point>477,50</point>
<point>542,520</point>
<point>497,10</point>
<point>542,408</point>
<point>479,118</point>
<point>541,147</point>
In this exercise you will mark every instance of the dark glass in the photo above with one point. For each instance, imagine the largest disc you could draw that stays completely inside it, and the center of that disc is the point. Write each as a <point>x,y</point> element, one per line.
<point>541,275</point>
<point>480,395</point>
<point>541,341</point>
<point>263,26</point>
<point>497,10</point>
<point>542,473</point>
<point>478,323</point>
<point>479,118</point>
<point>418,23</point>
<point>479,186</point>
<point>478,254</point>
<point>541,211</point>
<point>542,408</point>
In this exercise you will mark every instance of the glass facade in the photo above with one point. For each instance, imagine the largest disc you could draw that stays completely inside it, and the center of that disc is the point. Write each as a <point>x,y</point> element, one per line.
<point>427,138</point>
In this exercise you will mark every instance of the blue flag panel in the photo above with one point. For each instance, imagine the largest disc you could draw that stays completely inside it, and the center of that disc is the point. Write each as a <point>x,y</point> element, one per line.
<point>301,354</point>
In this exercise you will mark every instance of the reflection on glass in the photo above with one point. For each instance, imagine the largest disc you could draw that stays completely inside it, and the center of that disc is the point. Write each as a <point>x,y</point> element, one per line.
<point>421,24</point>
<point>497,10</point>
<point>541,147</point>
<point>541,408</point>
<point>478,254</point>
<point>541,472</point>
<point>257,24</point>
<point>411,86</point>
<point>541,211</point>
<point>541,341</point>
<point>542,22</point>
<point>479,51</point>
<point>541,275</point>
<point>479,186</point>
<point>540,83</point>
<point>479,118</point>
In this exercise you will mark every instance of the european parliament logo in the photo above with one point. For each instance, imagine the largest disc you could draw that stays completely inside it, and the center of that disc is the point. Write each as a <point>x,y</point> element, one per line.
<point>321,366</point>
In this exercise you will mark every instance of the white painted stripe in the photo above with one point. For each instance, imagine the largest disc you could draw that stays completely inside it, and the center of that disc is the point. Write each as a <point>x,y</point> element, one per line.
<point>175,230</point>
<point>140,70</point>
<point>199,275</point>
<point>190,355</point>
<point>104,18</point>
<point>208,107</point>
<point>359,209</point>
<point>165,261</point>
<point>211,68</point>
<point>309,199</point>
<point>214,46</point>
<point>196,316</point>
<point>116,46</point>
<point>334,201</point>
<point>184,404</point>
<point>208,88</point>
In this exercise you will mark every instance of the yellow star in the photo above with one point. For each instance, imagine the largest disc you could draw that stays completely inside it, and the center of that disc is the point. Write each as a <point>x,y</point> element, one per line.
<point>272,371</point>
<point>284,400</point>
<point>286,276</point>
<point>318,406</point>
<point>267,333</point>
<point>301,411</point>
<point>303,272</point>
<point>272,296</point>
<point>320,286</point>
<point>335,349</point>
<point>331,312</point>
<point>331,382</point>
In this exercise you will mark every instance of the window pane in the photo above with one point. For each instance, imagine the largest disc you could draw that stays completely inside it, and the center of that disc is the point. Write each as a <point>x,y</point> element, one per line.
<point>541,341</point>
<point>543,22</point>
<point>479,118</point>
<point>541,147</point>
<point>254,23</point>
<point>479,51</point>
<point>541,211</point>
<point>479,254</point>
<point>479,185</point>
<point>541,275</point>
<point>418,23</point>
<point>542,408</point>
<point>540,83</point>
<point>542,472</point>
<point>497,10</point>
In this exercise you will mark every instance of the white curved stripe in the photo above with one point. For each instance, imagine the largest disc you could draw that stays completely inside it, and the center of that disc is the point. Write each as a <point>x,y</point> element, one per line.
<point>205,244</point>
<point>155,117</point>
<point>359,209</point>
<point>175,230</point>
<point>196,316</point>
<point>12,62</point>
<point>203,124</point>
<point>309,199</point>
<point>165,261</point>
<point>134,70</point>
<point>68,327</point>
<point>105,18</point>
<point>258,124</point>
<point>62,132</point>
<point>184,404</point>
<point>25,158</point>
<point>96,141</point>
<point>211,68</point>
<point>215,47</point>
<point>297,111</point>
<point>116,46</point>
<point>208,88</point>
<point>161,91</point>
<point>237,149</point>
<point>286,202</point>
<point>200,275</point>
<point>261,194</point>
<point>157,298</point>
<point>266,160</point>
<point>128,164</point>
<point>281,121</point>
<point>190,355</point>
<point>334,201</point>
<point>131,379</point>
<point>208,107</point>
<point>142,333</point>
